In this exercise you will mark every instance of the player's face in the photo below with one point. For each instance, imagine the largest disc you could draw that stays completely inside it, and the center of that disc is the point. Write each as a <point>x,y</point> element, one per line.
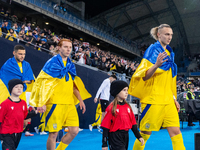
<point>123,94</point>
<point>165,36</point>
<point>17,90</point>
<point>19,55</point>
<point>65,49</point>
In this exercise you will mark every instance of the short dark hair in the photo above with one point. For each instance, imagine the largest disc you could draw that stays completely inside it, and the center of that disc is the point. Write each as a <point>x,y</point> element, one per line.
<point>114,76</point>
<point>18,47</point>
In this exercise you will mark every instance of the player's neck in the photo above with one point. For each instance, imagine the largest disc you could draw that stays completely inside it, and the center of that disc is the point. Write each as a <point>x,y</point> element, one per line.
<point>63,57</point>
<point>14,98</point>
<point>163,45</point>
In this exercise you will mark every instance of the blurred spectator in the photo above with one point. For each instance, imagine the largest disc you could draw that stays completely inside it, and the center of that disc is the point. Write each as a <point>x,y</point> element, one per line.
<point>87,56</point>
<point>7,15</point>
<point>21,35</point>
<point>30,39</point>
<point>4,27</point>
<point>29,26</point>
<point>102,64</point>
<point>14,19</point>
<point>119,67</point>
<point>44,44</point>
<point>11,36</point>
<point>56,8</point>
<point>95,61</point>
<point>2,11</point>
<point>81,56</point>
<point>15,28</point>
<point>38,41</point>
<point>38,29</point>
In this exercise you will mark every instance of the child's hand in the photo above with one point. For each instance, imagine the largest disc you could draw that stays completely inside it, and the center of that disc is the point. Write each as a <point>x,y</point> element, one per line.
<point>142,141</point>
<point>104,148</point>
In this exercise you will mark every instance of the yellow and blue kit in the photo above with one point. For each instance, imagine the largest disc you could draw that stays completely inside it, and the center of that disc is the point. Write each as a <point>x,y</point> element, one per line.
<point>157,95</point>
<point>97,121</point>
<point>157,92</point>
<point>13,70</point>
<point>54,88</point>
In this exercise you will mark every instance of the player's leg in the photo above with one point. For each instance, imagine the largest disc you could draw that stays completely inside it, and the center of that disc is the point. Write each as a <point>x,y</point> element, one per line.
<point>67,138</point>
<point>51,141</point>
<point>171,122</point>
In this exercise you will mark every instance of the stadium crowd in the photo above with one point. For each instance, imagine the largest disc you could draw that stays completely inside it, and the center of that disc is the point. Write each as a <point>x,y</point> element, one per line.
<point>46,40</point>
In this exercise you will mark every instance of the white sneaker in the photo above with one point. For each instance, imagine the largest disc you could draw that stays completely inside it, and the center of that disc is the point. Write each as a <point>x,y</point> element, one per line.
<point>98,127</point>
<point>80,129</point>
<point>90,127</point>
<point>43,133</point>
<point>36,130</point>
<point>100,130</point>
<point>27,133</point>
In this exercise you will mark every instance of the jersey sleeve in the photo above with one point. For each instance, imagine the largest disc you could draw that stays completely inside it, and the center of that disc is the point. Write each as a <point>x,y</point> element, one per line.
<point>106,123</point>
<point>3,110</point>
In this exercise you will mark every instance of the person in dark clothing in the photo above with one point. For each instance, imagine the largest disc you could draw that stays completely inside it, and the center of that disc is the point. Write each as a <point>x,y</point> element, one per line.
<point>88,60</point>
<point>190,96</point>
<point>30,39</point>
<point>44,44</point>
<point>119,67</point>
<point>102,65</point>
<point>95,61</point>
<point>119,119</point>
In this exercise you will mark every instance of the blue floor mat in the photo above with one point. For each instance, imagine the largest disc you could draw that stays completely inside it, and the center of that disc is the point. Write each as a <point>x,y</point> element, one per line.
<point>87,140</point>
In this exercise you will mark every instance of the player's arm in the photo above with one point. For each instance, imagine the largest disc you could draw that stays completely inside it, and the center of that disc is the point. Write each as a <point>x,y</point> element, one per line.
<point>158,63</point>
<point>105,139</point>
<point>103,85</point>
<point>77,94</point>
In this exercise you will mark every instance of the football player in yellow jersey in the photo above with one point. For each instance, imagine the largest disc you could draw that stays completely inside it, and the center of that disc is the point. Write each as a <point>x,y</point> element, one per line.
<point>56,91</point>
<point>16,68</point>
<point>154,83</point>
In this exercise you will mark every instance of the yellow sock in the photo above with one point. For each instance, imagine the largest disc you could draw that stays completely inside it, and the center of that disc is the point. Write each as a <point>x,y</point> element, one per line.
<point>177,142</point>
<point>61,146</point>
<point>137,144</point>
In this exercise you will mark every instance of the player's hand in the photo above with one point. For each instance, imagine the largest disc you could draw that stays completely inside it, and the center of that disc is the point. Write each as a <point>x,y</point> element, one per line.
<point>177,106</point>
<point>104,148</point>
<point>95,100</point>
<point>142,141</point>
<point>41,109</point>
<point>160,58</point>
<point>82,107</point>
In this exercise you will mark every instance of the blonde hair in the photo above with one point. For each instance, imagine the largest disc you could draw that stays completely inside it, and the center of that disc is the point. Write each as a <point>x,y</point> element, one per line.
<point>114,106</point>
<point>154,31</point>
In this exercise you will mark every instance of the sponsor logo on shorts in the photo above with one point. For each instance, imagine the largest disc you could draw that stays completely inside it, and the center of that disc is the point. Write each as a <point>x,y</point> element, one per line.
<point>147,126</point>
<point>55,126</point>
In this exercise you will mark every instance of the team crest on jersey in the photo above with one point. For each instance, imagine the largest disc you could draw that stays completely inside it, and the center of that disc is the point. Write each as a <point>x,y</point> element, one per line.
<point>147,126</point>
<point>55,126</point>
<point>117,110</point>
<point>129,110</point>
